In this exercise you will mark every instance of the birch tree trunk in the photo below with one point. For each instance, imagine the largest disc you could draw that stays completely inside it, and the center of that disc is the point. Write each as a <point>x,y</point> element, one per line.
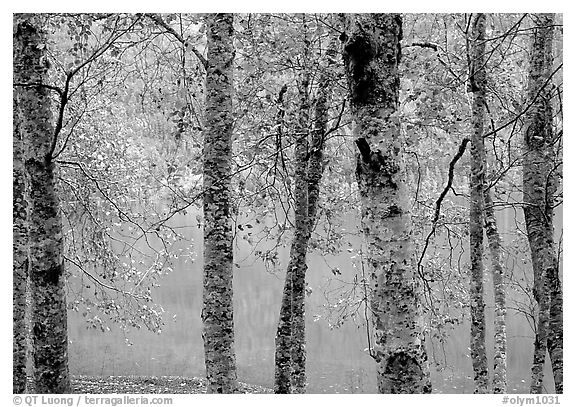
<point>316,161</point>
<point>20,258</point>
<point>217,309</point>
<point>371,55</point>
<point>46,268</point>
<point>556,330</point>
<point>290,357</point>
<point>477,87</point>
<point>540,183</point>
<point>495,246</point>
<point>283,339</point>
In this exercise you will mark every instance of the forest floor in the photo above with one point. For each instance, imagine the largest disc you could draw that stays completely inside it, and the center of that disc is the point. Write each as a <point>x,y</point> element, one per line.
<point>149,385</point>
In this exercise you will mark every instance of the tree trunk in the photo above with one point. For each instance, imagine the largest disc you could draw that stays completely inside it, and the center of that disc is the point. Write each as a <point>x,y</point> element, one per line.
<point>477,86</point>
<point>297,264</point>
<point>217,309</point>
<point>540,183</point>
<point>316,162</point>
<point>19,260</point>
<point>371,55</point>
<point>290,374</point>
<point>282,356</point>
<point>495,246</point>
<point>46,268</point>
<point>556,329</point>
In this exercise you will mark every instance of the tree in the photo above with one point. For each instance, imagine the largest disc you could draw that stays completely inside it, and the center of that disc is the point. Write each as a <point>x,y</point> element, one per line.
<point>46,268</point>
<point>371,54</point>
<point>477,167</point>
<point>217,309</point>
<point>290,356</point>
<point>540,185</point>
<point>111,149</point>
<point>20,260</point>
<point>495,246</point>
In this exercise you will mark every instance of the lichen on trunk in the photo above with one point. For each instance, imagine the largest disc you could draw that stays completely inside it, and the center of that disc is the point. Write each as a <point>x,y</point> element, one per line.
<point>371,54</point>
<point>290,356</point>
<point>46,268</point>
<point>477,86</point>
<point>19,261</point>
<point>540,185</point>
<point>500,340</point>
<point>217,307</point>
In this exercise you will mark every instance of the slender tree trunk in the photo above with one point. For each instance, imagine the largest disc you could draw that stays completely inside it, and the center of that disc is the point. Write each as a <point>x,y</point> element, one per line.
<point>299,248</point>
<point>46,268</point>
<point>283,339</point>
<point>477,164</point>
<point>540,186</point>
<point>19,260</point>
<point>217,309</point>
<point>290,374</point>
<point>495,246</point>
<point>371,55</point>
<point>316,162</point>
<point>282,356</point>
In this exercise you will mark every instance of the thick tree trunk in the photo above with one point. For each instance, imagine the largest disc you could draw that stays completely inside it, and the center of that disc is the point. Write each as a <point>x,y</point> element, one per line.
<point>217,309</point>
<point>371,54</point>
<point>540,341</point>
<point>495,245</point>
<point>19,260</point>
<point>540,186</point>
<point>556,331</point>
<point>477,164</point>
<point>46,268</point>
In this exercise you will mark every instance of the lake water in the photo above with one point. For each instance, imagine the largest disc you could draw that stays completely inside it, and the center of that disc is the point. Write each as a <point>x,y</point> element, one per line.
<point>337,362</point>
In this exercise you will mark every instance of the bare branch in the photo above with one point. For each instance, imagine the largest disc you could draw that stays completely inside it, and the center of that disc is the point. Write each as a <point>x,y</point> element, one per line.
<point>158,20</point>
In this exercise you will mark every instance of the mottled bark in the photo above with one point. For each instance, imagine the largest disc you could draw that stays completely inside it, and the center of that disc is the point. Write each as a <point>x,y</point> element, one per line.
<point>297,264</point>
<point>540,184</point>
<point>316,162</point>
<point>217,308</point>
<point>290,358</point>
<point>371,55</point>
<point>541,331</point>
<point>19,259</point>
<point>283,356</point>
<point>477,86</point>
<point>495,246</point>
<point>46,268</point>
<point>555,342</point>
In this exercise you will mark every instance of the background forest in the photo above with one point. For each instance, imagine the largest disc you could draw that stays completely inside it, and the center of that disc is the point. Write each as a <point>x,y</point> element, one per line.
<point>163,162</point>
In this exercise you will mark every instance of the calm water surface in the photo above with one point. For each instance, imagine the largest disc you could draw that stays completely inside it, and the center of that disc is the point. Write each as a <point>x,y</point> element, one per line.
<point>337,362</point>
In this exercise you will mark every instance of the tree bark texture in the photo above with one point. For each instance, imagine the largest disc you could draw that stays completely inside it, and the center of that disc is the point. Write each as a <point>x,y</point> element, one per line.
<point>316,162</point>
<point>297,264</point>
<point>540,184</point>
<point>217,309</point>
<point>290,373</point>
<point>500,342</point>
<point>477,87</point>
<point>371,53</point>
<point>46,268</point>
<point>283,339</point>
<point>19,259</point>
